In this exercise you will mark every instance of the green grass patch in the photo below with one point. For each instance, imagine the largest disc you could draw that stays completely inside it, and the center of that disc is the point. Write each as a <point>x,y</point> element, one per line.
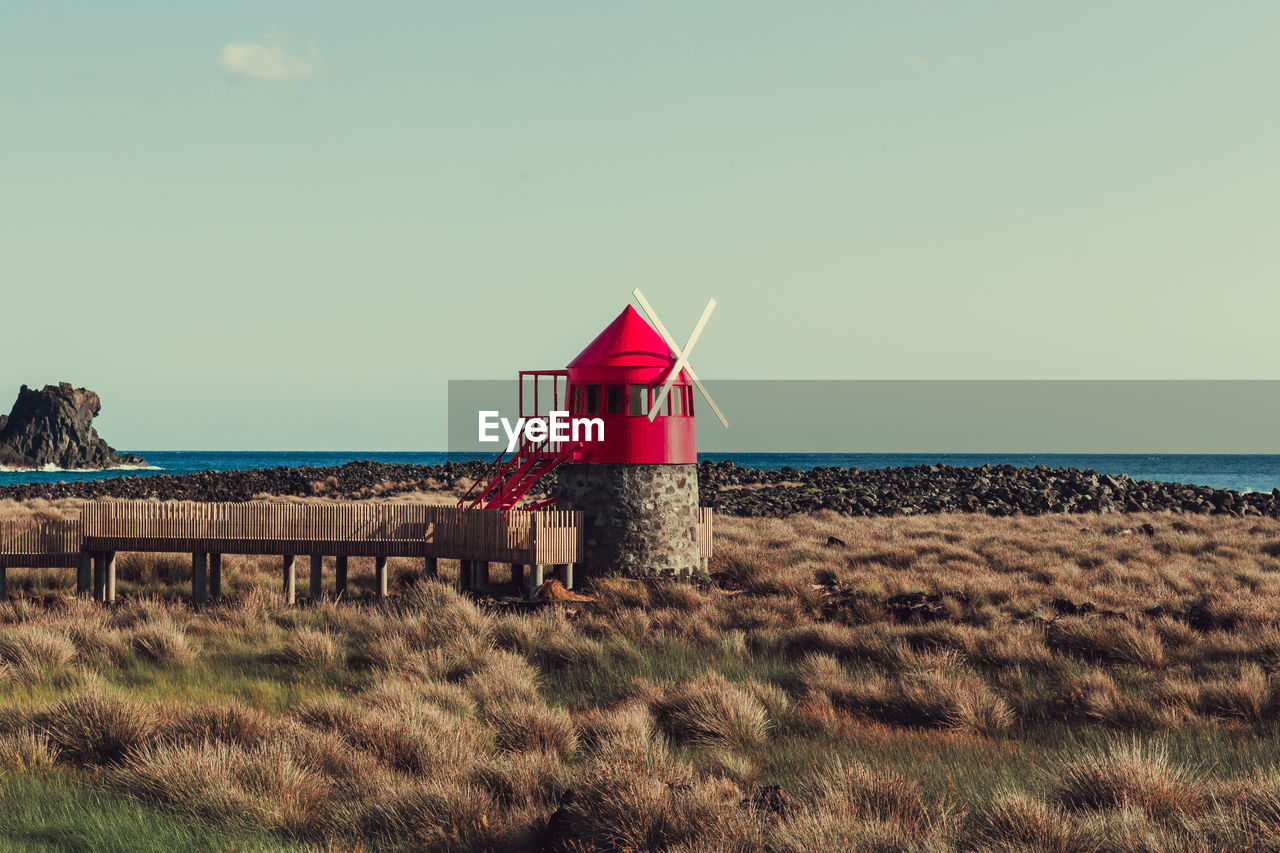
<point>585,686</point>
<point>55,813</point>
<point>246,677</point>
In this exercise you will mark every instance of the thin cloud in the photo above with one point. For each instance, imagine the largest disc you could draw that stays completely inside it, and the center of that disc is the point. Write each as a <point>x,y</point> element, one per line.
<point>272,61</point>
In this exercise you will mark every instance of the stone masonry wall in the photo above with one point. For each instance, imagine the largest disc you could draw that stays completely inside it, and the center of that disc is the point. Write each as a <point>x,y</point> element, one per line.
<point>641,520</point>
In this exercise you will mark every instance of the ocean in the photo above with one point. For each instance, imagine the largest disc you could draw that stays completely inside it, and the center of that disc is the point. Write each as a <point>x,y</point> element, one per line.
<point>1244,473</point>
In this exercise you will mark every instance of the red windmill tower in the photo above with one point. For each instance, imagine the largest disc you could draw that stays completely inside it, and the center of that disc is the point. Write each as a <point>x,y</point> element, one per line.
<point>631,469</point>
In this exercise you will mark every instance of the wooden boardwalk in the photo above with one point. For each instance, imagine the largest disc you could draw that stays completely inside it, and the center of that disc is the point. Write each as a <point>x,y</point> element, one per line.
<point>338,530</point>
<point>529,542</point>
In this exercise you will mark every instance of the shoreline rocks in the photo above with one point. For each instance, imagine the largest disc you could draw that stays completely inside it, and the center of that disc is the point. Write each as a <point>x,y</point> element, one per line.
<point>991,489</point>
<point>353,481</point>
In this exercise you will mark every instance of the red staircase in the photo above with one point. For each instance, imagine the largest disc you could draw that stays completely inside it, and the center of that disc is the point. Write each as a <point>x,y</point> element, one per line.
<point>508,480</point>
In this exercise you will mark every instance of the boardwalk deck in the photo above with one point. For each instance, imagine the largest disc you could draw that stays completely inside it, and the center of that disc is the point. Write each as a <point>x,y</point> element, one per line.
<point>341,530</point>
<point>345,530</point>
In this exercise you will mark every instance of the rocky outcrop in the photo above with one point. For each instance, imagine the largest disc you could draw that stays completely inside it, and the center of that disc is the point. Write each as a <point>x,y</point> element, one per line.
<point>54,426</point>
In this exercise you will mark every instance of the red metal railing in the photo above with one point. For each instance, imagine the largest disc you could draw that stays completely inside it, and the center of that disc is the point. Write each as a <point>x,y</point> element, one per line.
<point>507,480</point>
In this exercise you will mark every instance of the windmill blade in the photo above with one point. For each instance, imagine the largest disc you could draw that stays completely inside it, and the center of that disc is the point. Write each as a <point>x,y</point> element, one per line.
<point>710,402</point>
<point>682,362</point>
<point>666,336</point>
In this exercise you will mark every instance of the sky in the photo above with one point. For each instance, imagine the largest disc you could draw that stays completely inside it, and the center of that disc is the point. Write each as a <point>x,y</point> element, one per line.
<point>288,225</point>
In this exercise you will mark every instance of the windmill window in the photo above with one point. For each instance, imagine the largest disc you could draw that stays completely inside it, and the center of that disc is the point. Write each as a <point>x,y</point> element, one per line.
<point>677,399</point>
<point>593,400</point>
<point>614,400</point>
<point>576,406</point>
<point>637,399</point>
<point>688,409</point>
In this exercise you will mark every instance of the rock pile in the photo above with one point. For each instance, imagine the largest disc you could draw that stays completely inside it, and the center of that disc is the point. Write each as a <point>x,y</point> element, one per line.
<point>991,489</point>
<point>355,480</point>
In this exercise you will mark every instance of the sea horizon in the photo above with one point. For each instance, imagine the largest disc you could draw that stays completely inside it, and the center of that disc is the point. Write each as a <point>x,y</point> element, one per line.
<point>1236,471</point>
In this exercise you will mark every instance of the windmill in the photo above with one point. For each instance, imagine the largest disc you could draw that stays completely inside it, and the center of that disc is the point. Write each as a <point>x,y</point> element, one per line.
<point>635,380</point>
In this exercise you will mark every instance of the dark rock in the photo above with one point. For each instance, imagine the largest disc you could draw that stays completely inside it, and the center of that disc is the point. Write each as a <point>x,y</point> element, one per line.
<point>916,607</point>
<point>557,828</point>
<point>836,542</point>
<point>1067,607</point>
<point>772,799</point>
<point>54,426</point>
<point>1200,617</point>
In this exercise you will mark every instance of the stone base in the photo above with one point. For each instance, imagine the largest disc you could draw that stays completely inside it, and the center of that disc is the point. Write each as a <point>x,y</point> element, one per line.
<point>641,520</point>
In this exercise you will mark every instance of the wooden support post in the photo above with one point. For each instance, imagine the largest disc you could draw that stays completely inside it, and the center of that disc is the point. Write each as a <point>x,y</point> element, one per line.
<point>339,575</point>
<point>564,572</point>
<point>705,564</point>
<point>316,586</point>
<point>517,575</point>
<point>380,575</point>
<point>482,575</point>
<point>290,580</point>
<point>199,577</point>
<point>84,575</point>
<point>535,581</point>
<point>99,576</point>
<point>466,575</point>
<point>111,577</point>
<point>431,567</point>
<point>215,576</point>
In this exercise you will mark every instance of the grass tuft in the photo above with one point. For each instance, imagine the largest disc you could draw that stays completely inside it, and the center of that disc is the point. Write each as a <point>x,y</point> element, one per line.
<point>711,711</point>
<point>95,728</point>
<point>1128,776</point>
<point>161,643</point>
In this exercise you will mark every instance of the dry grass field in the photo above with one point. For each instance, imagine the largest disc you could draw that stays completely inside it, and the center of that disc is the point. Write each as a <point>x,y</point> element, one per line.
<point>946,682</point>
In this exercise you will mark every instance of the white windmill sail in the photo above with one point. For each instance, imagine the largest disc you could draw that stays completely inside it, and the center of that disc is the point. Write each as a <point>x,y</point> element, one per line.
<point>682,357</point>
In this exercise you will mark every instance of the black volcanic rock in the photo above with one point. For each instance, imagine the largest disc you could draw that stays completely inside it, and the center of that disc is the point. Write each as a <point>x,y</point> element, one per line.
<point>352,481</point>
<point>997,490</point>
<point>54,426</point>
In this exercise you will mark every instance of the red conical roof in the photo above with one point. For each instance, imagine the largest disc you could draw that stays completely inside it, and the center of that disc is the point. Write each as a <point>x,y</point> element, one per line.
<point>627,342</point>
